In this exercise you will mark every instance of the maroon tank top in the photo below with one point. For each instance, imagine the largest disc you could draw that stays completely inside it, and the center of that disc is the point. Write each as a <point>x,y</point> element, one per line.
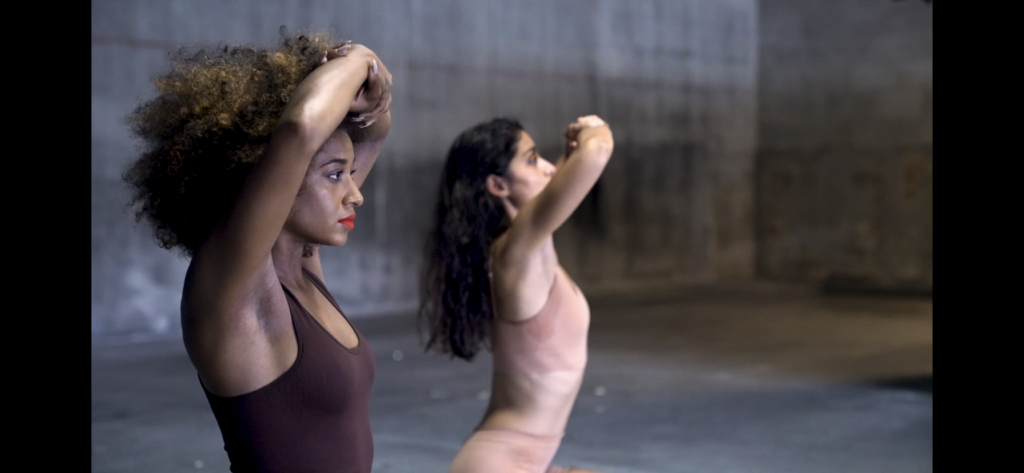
<point>314,417</point>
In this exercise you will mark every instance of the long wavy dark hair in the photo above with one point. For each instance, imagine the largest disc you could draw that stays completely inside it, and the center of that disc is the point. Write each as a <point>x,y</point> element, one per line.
<point>455,291</point>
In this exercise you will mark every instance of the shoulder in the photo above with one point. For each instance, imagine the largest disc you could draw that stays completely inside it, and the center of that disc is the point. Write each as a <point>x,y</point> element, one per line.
<point>240,342</point>
<point>521,283</point>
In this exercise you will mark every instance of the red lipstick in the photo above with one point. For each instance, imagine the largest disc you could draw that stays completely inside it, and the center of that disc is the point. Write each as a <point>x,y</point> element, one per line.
<point>349,221</point>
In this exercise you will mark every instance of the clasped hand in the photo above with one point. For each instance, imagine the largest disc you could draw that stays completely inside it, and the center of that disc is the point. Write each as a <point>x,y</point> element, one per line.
<point>374,97</point>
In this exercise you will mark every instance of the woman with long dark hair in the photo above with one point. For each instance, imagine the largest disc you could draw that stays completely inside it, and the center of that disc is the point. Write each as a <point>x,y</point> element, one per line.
<point>492,280</point>
<point>252,158</point>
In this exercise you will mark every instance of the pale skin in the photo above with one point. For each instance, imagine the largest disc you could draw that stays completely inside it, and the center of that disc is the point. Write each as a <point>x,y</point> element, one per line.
<point>236,324</point>
<point>539,197</point>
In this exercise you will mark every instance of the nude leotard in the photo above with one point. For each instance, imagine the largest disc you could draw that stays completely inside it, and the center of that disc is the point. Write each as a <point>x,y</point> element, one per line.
<point>553,341</point>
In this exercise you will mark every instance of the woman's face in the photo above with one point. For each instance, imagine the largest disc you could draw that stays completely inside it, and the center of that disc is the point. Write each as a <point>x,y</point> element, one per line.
<point>528,172</point>
<point>325,208</point>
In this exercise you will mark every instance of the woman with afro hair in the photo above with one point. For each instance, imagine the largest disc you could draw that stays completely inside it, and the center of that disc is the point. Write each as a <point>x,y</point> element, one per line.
<point>492,279</point>
<point>251,159</point>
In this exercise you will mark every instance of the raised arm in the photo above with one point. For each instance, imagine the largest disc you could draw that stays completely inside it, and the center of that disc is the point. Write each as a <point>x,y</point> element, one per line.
<point>242,244</point>
<point>590,145</point>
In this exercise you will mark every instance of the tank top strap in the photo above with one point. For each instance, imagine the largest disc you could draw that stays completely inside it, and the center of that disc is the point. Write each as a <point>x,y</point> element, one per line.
<point>322,288</point>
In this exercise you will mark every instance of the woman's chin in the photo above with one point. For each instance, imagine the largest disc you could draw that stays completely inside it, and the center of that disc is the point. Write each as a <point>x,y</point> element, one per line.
<point>337,238</point>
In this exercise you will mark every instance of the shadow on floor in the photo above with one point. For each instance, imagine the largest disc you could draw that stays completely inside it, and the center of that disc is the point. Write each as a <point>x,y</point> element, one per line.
<point>841,285</point>
<point>921,384</point>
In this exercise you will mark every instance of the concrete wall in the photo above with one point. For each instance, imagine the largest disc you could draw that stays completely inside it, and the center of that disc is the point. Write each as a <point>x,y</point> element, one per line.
<point>676,79</point>
<point>845,143</point>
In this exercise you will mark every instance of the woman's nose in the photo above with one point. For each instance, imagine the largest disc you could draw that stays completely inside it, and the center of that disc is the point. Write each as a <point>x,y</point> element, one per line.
<point>549,169</point>
<point>353,198</point>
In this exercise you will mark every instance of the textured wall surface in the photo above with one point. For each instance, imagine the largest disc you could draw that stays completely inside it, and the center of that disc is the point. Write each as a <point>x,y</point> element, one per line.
<point>677,81</point>
<point>845,143</point>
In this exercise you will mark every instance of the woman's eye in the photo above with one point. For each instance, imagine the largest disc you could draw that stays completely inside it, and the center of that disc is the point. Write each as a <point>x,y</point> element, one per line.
<point>352,171</point>
<point>335,175</point>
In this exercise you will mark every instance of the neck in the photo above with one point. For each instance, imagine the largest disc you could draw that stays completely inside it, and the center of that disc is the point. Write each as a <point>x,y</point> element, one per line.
<point>287,257</point>
<point>510,209</point>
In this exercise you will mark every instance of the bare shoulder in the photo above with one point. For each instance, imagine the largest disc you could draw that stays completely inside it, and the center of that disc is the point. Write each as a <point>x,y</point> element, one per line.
<point>521,283</point>
<point>239,340</point>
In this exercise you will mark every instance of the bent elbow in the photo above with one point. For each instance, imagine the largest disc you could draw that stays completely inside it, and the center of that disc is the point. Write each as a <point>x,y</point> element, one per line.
<point>599,148</point>
<point>300,129</point>
<point>292,125</point>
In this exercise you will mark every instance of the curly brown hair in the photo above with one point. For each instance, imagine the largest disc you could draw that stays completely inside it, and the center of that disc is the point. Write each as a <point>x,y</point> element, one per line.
<point>207,127</point>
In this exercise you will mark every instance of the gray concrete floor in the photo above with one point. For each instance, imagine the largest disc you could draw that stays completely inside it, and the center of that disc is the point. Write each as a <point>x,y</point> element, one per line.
<point>703,381</point>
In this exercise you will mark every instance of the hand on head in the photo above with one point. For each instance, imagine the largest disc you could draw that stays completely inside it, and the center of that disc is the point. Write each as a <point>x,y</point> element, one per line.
<point>572,133</point>
<point>338,51</point>
<point>374,98</point>
<point>590,121</point>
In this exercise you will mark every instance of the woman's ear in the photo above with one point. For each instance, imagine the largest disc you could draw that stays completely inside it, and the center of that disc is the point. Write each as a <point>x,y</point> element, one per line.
<point>497,186</point>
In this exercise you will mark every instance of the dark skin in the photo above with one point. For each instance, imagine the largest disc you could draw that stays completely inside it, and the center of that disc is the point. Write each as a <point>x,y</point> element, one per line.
<point>366,145</point>
<point>236,323</point>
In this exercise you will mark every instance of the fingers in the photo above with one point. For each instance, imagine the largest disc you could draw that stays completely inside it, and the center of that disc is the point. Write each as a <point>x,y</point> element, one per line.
<point>581,130</point>
<point>570,146</point>
<point>380,85</point>
<point>590,121</point>
<point>382,103</point>
<point>369,95</point>
<point>572,133</point>
<point>374,97</point>
<point>382,107</point>
<point>574,128</point>
<point>370,121</point>
<point>336,52</point>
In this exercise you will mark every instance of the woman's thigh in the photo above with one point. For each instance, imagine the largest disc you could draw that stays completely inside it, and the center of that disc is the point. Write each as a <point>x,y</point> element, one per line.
<point>506,451</point>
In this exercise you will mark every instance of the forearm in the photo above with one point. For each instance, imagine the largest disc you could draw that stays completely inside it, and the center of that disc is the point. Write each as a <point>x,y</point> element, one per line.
<point>366,145</point>
<point>377,131</point>
<point>320,103</point>
<point>263,205</point>
<point>589,149</point>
